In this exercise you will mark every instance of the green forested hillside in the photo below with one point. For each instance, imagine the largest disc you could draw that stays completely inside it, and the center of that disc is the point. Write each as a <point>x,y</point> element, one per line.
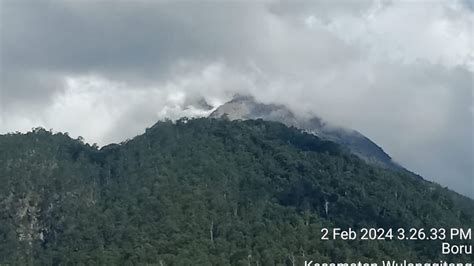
<point>208,192</point>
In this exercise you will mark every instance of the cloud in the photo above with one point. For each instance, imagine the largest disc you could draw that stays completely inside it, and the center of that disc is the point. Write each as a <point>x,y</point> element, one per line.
<point>399,72</point>
<point>104,111</point>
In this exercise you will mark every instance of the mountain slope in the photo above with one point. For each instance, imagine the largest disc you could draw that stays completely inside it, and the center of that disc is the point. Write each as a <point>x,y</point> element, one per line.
<point>245,107</point>
<point>208,192</point>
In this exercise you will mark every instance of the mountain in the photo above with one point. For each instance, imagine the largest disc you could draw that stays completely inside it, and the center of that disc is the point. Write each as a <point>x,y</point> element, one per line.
<point>245,107</point>
<point>210,192</point>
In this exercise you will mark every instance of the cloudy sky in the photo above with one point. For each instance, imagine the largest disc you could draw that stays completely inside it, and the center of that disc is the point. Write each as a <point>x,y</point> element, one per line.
<point>400,72</point>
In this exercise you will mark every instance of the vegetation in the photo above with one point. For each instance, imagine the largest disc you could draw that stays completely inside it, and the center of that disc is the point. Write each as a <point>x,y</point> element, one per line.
<point>209,192</point>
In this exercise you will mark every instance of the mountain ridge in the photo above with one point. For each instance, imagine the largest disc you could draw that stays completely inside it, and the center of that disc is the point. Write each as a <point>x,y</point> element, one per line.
<point>246,107</point>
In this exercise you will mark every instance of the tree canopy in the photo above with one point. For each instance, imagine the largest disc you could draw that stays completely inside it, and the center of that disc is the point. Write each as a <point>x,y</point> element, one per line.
<point>208,192</point>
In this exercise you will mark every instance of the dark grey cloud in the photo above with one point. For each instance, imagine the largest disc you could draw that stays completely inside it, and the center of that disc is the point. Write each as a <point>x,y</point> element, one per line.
<point>119,66</point>
<point>135,41</point>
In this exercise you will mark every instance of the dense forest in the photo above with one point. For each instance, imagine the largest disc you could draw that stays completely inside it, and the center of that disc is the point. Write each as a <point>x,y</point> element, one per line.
<point>209,192</point>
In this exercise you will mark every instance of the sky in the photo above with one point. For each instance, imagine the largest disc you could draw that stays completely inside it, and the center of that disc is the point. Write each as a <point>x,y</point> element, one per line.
<point>400,72</point>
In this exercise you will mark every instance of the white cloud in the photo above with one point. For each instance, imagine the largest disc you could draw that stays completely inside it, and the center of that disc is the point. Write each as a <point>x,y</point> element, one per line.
<point>104,111</point>
<point>439,32</point>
